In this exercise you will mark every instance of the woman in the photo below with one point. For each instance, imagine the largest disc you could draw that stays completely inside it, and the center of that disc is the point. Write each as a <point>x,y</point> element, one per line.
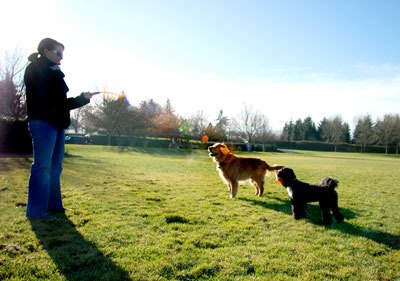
<point>48,115</point>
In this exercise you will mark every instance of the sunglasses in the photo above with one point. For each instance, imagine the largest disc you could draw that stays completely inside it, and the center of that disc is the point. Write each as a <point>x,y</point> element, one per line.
<point>58,53</point>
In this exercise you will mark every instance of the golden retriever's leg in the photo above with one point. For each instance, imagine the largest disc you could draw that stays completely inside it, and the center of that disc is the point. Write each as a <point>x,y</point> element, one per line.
<point>259,186</point>
<point>234,189</point>
<point>228,185</point>
<point>256,187</point>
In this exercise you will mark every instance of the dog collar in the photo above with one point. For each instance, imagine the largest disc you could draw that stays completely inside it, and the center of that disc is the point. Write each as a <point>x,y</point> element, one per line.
<point>292,182</point>
<point>228,158</point>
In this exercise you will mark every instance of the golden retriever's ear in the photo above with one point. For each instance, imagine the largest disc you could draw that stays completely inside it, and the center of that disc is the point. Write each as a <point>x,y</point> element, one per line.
<point>224,150</point>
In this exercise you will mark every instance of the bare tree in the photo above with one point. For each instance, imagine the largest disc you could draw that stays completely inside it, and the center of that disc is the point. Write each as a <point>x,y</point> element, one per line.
<point>110,116</point>
<point>397,132</point>
<point>199,123</point>
<point>385,130</point>
<point>12,100</point>
<point>264,133</point>
<point>250,124</point>
<point>76,119</point>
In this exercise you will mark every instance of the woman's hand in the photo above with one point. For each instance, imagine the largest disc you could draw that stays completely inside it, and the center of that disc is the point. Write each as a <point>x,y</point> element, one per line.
<point>89,95</point>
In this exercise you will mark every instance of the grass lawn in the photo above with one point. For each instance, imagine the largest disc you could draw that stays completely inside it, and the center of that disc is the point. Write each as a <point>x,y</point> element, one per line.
<point>159,214</point>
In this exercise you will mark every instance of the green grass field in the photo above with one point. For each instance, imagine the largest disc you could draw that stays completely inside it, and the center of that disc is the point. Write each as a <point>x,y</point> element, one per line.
<point>161,214</point>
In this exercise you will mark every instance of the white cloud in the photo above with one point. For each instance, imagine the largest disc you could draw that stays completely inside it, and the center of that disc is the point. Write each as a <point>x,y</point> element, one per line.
<point>279,101</point>
<point>318,97</point>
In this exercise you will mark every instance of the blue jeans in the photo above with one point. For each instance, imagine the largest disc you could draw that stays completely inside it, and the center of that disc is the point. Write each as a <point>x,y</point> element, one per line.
<point>44,190</point>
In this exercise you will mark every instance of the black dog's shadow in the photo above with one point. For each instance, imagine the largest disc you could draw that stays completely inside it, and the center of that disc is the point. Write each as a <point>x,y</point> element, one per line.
<point>314,216</point>
<point>76,258</point>
<point>283,207</point>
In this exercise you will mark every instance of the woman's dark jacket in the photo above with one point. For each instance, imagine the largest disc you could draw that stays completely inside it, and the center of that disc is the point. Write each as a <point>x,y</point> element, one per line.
<point>46,94</point>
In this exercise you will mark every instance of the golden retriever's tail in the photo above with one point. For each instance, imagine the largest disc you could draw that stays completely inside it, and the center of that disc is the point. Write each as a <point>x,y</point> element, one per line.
<point>272,169</point>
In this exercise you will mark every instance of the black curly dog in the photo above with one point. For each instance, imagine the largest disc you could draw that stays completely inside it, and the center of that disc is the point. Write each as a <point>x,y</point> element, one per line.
<point>301,193</point>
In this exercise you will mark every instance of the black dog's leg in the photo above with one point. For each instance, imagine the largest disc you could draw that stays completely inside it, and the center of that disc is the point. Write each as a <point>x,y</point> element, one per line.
<point>338,216</point>
<point>335,208</point>
<point>304,209</point>
<point>295,210</point>
<point>326,217</point>
<point>325,212</point>
<point>299,209</point>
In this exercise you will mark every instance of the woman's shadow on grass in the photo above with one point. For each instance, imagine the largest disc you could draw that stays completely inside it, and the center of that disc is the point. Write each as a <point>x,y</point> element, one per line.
<point>284,206</point>
<point>76,258</point>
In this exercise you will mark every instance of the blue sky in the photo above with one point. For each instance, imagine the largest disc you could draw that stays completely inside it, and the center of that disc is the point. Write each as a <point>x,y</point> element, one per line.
<point>285,59</point>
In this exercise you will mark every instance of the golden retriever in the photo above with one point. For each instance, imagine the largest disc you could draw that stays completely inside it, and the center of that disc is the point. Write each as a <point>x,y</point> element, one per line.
<point>233,169</point>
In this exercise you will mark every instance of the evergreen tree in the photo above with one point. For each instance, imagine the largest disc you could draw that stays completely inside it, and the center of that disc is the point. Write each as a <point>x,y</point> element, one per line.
<point>363,132</point>
<point>310,131</point>
<point>288,132</point>
<point>298,130</point>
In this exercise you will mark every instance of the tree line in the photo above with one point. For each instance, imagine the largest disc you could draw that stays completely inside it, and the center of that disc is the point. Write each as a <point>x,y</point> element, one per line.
<point>384,131</point>
<point>113,115</point>
<point>116,117</point>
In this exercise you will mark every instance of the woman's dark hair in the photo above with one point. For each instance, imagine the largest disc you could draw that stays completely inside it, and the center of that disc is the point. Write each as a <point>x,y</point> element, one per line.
<point>46,43</point>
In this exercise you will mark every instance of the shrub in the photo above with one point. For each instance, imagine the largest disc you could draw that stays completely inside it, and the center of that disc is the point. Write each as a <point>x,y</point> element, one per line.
<point>14,136</point>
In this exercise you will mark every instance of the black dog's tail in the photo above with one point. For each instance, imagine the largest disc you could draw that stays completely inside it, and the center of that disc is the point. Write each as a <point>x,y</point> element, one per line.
<point>329,182</point>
